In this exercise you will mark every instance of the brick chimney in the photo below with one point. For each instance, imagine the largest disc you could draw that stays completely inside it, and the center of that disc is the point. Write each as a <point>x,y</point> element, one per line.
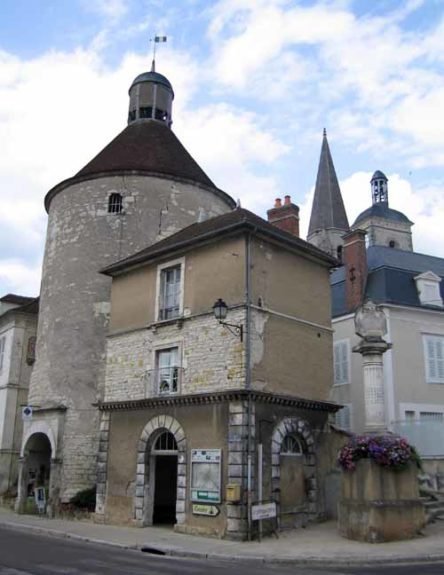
<point>354,258</point>
<point>285,217</point>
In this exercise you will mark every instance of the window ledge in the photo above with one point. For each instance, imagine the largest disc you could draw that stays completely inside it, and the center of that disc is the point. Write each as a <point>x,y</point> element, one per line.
<point>165,322</point>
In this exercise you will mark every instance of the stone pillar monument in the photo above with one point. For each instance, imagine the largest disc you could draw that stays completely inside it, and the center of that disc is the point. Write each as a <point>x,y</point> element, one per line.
<point>371,326</point>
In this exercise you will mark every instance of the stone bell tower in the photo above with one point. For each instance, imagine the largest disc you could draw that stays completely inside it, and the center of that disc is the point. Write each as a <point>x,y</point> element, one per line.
<point>141,187</point>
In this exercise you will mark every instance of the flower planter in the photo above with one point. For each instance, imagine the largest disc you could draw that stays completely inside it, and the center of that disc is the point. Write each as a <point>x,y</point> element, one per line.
<point>380,504</point>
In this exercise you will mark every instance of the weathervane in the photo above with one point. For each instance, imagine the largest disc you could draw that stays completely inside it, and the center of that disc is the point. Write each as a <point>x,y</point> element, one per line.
<point>156,40</point>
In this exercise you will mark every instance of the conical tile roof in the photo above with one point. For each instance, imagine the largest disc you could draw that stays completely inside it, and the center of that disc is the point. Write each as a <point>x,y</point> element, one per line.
<point>148,146</point>
<point>328,208</point>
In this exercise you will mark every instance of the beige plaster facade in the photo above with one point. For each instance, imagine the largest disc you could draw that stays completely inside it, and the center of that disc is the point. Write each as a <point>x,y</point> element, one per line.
<point>412,399</point>
<point>232,393</point>
<point>17,339</point>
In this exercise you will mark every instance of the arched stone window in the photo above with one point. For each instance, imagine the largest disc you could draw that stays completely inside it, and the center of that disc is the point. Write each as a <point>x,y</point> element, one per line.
<point>115,205</point>
<point>291,445</point>
<point>166,442</point>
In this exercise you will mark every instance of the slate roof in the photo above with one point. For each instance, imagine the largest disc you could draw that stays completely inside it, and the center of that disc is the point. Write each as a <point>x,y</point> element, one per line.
<point>391,274</point>
<point>328,208</point>
<point>379,175</point>
<point>148,147</point>
<point>16,299</point>
<point>211,229</point>
<point>154,77</point>
<point>381,210</point>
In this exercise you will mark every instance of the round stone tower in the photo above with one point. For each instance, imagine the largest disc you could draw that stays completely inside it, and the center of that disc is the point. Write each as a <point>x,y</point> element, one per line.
<point>140,188</point>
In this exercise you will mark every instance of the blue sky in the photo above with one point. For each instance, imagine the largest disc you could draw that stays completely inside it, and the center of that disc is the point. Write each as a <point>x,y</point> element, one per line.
<point>255,81</point>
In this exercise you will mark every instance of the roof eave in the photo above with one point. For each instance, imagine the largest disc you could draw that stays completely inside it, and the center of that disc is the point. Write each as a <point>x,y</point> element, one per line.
<point>307,250</point>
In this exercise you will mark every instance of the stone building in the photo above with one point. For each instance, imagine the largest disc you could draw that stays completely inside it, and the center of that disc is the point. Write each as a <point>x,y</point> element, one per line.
<point>379,264</point>
<point>190,401</point>
<point>143,186</point>
<point>18,327</point>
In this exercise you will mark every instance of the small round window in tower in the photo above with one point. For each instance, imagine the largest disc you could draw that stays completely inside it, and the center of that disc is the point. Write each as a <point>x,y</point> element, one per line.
<point>115,205</point>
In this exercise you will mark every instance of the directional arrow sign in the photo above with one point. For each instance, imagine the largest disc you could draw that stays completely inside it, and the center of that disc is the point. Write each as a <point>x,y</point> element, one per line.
<point>210,510</point>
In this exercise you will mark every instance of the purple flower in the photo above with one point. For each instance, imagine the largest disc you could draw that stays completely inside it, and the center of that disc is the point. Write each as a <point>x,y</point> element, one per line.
<point>386,450</point>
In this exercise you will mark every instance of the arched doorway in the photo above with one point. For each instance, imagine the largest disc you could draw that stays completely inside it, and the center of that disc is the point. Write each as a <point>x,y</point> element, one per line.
<point>294,472</point>
<point>37,468</point>
<point>164,470</point>
<point>161,478</point>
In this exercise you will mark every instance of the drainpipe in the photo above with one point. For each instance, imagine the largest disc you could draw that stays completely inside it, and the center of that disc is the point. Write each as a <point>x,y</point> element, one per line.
<point>248,378</point>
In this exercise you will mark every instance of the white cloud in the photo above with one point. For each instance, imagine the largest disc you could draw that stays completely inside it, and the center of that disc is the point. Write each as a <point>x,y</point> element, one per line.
<point>232,146</point>
<point>369,71</point>
<point>112,10</point>
<point>21,278</point>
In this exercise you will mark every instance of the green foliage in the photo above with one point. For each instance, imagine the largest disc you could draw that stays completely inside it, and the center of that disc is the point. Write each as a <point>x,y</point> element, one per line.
<point>85,499</point>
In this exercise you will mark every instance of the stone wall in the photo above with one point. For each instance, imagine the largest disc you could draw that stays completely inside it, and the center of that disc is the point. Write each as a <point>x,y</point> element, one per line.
<point>83,238</point>
<point>212,359</point>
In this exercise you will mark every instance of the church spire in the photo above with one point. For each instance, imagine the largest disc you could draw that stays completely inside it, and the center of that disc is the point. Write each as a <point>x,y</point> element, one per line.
<point>328,221</point>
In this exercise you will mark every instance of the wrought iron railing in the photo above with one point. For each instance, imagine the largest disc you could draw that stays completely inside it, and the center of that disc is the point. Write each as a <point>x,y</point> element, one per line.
<point>163,381</point>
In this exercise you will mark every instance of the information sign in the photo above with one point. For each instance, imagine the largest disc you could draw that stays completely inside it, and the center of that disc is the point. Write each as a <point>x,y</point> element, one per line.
<point>263,511</point>
<point>210,510</point>
<point>206,475</point>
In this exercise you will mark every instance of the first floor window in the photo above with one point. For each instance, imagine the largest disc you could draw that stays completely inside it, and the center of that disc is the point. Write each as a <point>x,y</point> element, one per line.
<point>434,358</point>
<point>170,292</point>
<point>168,371</point>
<point>2,351</point>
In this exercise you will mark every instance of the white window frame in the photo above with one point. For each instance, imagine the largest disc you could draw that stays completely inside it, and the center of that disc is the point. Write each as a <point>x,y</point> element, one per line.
<point>346,408</point>
<point>432,376</point>
<point>2,351</point>
<point>427,286</point>
<point>345,372</point>
<point>417,409</point>
<point>160,268</point>
<point>167,346</point>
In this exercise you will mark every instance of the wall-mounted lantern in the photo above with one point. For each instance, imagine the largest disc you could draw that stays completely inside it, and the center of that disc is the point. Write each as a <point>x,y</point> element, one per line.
<point>220,310</point>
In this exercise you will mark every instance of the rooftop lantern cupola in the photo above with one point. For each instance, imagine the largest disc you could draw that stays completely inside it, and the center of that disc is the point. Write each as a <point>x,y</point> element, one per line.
<point>379,188</point>
<point>151,98</point>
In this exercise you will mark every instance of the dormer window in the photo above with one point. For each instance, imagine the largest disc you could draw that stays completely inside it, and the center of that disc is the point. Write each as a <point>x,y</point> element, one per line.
<point>115,204</point>
<point>428,287</point>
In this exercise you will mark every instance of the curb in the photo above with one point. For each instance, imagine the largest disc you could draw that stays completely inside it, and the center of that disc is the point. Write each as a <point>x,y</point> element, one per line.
<point>265,559</point>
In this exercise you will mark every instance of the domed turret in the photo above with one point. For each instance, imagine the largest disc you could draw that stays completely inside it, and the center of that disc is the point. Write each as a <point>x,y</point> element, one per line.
<point>151,98</point>
<point>384,226</point>
<point>379,187</point>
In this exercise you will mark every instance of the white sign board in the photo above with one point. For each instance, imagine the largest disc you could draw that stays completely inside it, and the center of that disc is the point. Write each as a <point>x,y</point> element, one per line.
<point>206,475</point>
<point>263,511</point>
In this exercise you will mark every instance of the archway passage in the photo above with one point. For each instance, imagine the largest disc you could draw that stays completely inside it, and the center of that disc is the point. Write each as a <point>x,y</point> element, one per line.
<point>38,465</point>
<point>165,479</point>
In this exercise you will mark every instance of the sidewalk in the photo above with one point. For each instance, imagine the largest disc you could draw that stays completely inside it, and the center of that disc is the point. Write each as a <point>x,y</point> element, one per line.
<point>317,544</point>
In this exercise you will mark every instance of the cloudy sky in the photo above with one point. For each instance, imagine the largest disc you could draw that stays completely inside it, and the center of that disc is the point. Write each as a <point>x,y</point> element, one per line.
<point>256,81</point>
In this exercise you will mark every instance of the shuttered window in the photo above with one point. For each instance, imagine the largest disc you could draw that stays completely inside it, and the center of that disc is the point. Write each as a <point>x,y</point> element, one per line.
<point>434,358</point>
<point>341,362</point>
